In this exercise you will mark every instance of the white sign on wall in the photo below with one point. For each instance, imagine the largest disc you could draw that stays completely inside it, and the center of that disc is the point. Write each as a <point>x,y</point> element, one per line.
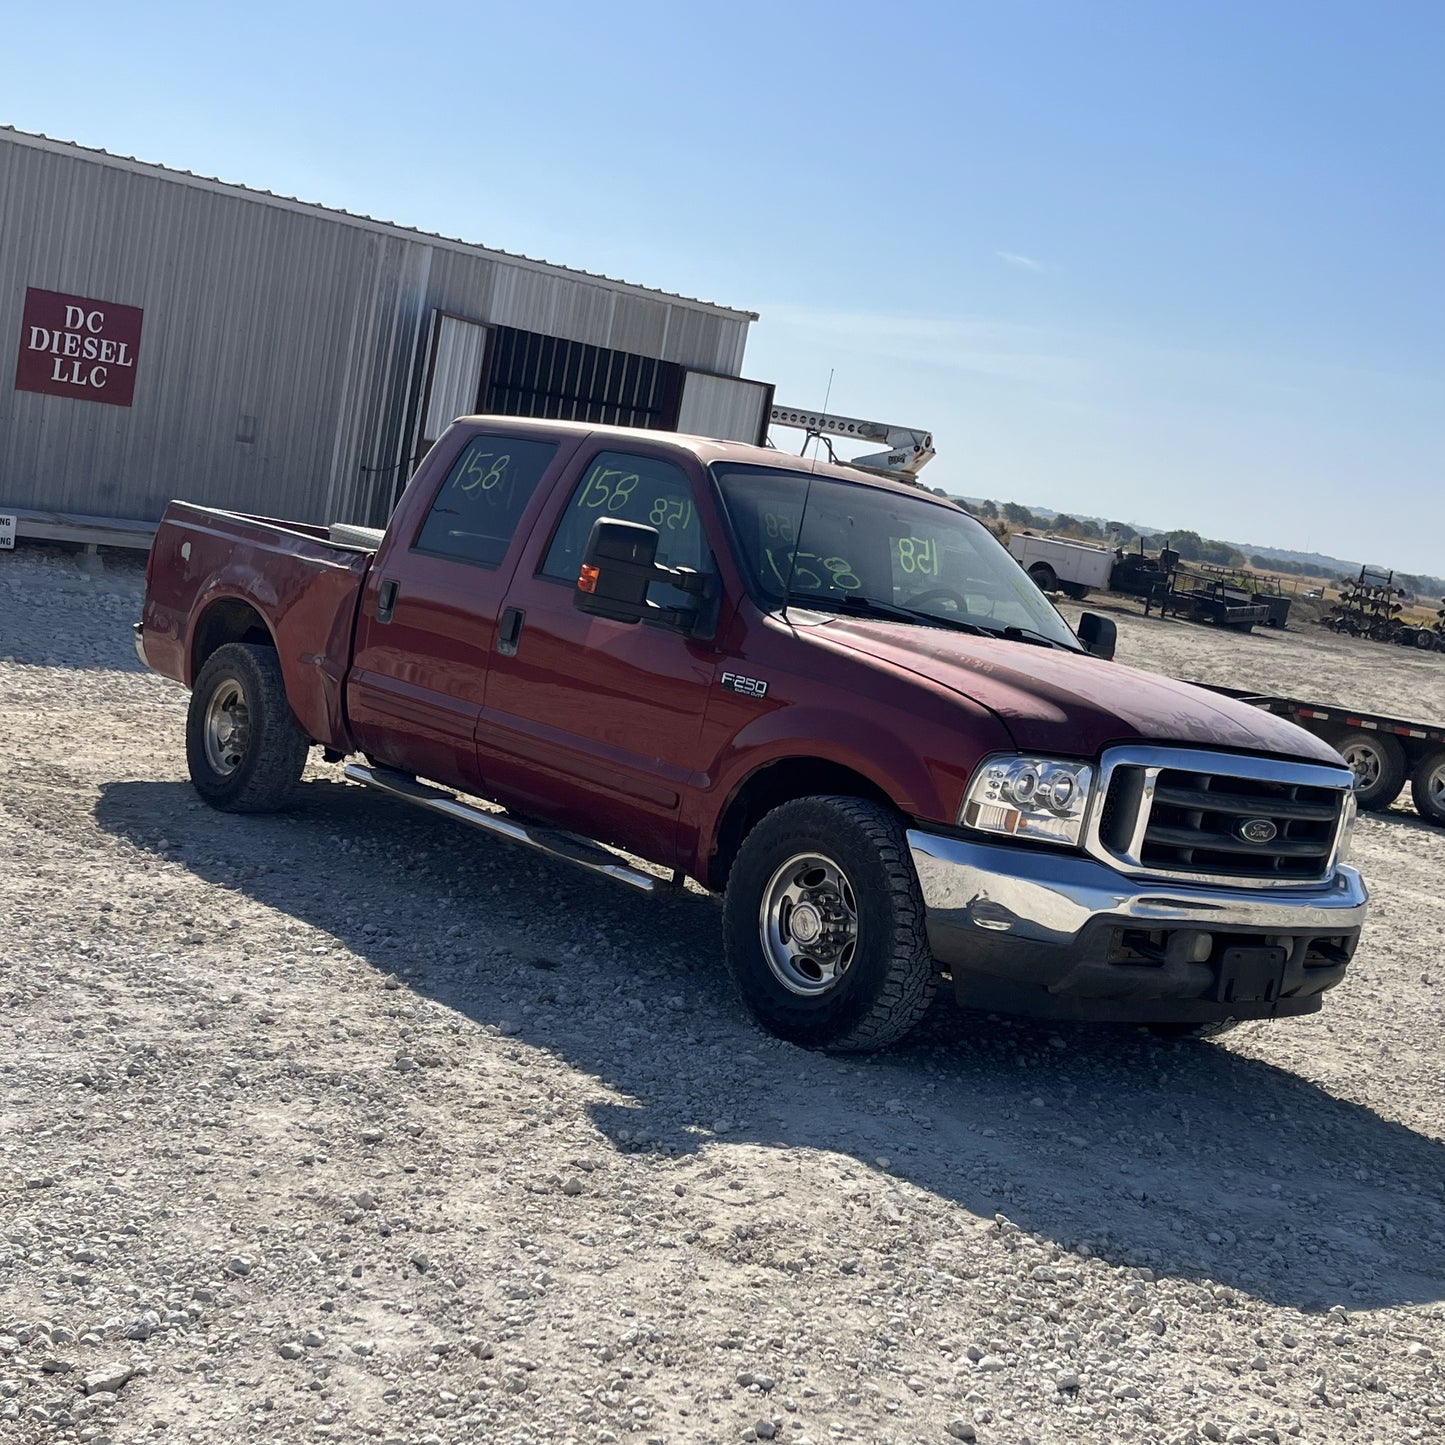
<point>7,532</point>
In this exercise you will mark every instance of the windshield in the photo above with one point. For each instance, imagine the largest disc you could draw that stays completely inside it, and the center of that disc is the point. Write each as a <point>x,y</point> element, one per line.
<point>924,560</point>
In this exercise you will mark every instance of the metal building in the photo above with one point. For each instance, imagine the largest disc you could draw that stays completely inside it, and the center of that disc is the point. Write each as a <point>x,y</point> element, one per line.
<point>178,336</point>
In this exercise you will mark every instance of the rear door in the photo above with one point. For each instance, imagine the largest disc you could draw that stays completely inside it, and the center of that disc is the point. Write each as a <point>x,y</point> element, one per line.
<point>430,610</point>
<point>593,723</point>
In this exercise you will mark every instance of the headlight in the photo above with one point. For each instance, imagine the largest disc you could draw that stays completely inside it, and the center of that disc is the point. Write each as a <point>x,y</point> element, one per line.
<point>1042,798</point>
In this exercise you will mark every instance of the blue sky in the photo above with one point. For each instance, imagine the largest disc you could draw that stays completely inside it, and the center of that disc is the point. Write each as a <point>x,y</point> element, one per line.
<point>1175,262</point>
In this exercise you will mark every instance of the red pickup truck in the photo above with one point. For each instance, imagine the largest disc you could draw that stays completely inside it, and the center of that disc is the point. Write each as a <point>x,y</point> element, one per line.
<point>833,698</point>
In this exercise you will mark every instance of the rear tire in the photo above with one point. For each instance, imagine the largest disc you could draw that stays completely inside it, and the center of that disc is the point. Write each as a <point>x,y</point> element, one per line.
<point>1378,763</point>
<point>1427,787</point>
<point>244,748</point>
<point>1427,639</point>
<point>823,926</point>
<point>1045,578</point>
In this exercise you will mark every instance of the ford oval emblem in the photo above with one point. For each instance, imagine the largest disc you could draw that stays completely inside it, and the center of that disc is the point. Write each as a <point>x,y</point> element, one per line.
<point>1258,830</point>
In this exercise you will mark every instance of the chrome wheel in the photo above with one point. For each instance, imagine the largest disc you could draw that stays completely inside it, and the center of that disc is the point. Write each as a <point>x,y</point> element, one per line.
<point>1435,789</point>
<point>227,728</point>
<point>1366,764</point>
<point>808,924</point>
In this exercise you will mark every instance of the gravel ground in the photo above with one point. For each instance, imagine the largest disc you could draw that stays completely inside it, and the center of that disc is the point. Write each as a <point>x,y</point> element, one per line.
<point>351,1124</point>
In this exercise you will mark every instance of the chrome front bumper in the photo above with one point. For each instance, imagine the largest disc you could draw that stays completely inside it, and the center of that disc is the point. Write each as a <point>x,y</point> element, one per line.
<point>1053,927</point>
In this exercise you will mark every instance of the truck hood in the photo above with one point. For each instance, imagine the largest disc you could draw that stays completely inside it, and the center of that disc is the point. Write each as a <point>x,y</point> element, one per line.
<point>1056,702</point>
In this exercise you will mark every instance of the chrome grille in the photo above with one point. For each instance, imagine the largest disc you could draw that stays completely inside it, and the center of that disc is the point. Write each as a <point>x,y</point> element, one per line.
<point>1187,814</point>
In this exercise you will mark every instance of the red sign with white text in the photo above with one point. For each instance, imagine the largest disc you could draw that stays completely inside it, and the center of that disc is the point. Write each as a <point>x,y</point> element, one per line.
<point>73,346</point>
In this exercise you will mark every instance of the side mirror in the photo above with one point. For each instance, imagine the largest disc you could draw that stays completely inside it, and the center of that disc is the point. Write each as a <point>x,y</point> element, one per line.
<point>619,565</point>
<point>1098,634</point>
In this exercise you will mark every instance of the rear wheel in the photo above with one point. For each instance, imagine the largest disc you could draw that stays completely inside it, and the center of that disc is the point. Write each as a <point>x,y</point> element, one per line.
<point>244,748</point>
<point>1427,787</point>
<point>823,926</point>
<point>1427,639</point>
<point>1378,763</point>
<point>1045,578</point>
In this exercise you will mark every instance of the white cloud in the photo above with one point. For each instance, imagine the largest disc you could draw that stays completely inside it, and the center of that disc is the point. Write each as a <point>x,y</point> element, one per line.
<point>1024,263</point>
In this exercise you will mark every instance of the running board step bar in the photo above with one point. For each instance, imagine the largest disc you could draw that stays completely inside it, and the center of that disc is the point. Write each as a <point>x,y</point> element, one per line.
<point>570,847</point>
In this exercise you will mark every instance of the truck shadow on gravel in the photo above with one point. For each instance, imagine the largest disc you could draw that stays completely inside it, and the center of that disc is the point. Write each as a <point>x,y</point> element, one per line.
<point>1191,1159</point>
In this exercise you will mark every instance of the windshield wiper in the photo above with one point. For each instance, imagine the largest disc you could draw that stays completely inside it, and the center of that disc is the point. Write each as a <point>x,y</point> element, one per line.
<point>1011,633</point>
<point>855,604</point>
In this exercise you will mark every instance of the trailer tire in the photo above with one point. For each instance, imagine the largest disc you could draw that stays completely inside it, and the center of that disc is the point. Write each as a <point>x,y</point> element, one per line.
<point>244,748</point>
<point>1427,787</point>
<point>1379,765</point>
<point>1045,578</point>
<point>840,868</point>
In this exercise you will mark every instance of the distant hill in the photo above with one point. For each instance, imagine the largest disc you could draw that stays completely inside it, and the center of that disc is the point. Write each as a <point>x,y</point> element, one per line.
<point>1317,563</point>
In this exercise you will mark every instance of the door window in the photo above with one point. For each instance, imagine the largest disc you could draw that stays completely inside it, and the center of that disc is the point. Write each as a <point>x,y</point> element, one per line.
<point>632,489</point>
<point>477,509</point>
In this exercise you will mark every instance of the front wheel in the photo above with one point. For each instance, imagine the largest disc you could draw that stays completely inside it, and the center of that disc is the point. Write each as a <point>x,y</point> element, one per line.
<point>244,748</point>
<point>823,926</point>
<point>1045,578</point>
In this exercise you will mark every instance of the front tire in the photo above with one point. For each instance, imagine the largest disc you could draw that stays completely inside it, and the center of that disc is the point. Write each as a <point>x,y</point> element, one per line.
<point>1045,578</point>
<point>823,926</point>
<point>244,749</point>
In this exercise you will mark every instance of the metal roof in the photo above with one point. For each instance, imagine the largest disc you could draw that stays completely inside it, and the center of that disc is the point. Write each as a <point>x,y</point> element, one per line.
<point>270,198</point>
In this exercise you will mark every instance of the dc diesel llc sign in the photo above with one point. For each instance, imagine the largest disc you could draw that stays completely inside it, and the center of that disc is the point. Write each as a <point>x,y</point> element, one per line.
<point>74,346</point>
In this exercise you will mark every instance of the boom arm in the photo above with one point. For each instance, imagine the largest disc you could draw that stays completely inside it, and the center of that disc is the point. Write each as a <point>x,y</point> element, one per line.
<point>909,449</point>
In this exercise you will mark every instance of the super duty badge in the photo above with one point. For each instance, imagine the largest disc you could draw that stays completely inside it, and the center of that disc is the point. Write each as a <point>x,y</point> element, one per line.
<point>748,686</point>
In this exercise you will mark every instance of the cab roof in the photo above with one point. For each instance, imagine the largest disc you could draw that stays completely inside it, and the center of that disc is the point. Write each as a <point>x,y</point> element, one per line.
<point>706,450</point>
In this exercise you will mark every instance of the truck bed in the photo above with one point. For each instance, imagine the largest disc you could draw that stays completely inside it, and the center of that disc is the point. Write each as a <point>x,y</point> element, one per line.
<point>213,572</point>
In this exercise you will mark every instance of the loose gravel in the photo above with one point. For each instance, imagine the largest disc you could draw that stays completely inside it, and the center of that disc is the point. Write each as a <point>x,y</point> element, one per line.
<point>350,1124</point>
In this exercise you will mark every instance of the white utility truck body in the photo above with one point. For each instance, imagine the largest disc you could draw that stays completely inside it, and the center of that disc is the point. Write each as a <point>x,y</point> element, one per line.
<point>1059,565</point>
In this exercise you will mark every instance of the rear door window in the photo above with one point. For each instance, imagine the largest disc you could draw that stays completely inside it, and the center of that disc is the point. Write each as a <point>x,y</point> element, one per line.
<point>477,508</point>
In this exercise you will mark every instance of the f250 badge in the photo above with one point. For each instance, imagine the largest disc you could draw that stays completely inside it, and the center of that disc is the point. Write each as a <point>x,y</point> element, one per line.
<point>748,686</point>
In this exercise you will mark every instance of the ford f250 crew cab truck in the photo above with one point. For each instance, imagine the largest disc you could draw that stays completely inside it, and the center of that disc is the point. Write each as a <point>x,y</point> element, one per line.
<point>832,698</point>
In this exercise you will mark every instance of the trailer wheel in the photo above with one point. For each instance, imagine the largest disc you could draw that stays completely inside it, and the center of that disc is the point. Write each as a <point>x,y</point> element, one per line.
<point>823,929</point>
<point>244,749</point>
<point>1045,578</point>
<point>1427,787</point>
<point>1378,763</point>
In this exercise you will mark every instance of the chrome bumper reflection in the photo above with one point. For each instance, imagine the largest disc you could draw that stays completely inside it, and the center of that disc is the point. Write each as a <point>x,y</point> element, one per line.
<point>1049,898</point>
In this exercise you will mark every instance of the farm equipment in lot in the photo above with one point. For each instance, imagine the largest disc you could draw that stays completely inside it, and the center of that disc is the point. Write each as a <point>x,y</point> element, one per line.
<point>1384,753</point>
<point>1370,606</point>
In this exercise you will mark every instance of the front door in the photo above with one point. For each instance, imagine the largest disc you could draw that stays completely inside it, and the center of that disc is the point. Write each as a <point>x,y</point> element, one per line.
<point>430,610</point>
<point>594,723</point>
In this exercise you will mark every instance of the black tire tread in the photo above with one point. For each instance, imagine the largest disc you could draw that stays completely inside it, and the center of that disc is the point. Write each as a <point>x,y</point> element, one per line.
<point>1419,792</point>
<point>263,784</point>
<point>1392,774</point>
<point>908,987</point>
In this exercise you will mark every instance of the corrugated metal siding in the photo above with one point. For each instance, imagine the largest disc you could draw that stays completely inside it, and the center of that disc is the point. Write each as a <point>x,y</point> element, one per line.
<point>725,407</point>
<point>312,323</point>
<point>461,347</point>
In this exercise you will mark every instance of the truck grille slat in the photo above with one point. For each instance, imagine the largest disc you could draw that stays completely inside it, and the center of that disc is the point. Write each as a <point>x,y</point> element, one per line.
<point>1241,806</point>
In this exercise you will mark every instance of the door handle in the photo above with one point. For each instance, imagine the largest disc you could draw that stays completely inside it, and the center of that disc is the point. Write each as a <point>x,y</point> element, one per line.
<point>510,631</point>
<point>386,600</point>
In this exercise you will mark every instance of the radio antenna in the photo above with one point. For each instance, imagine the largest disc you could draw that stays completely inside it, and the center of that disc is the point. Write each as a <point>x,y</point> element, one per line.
<point>807,495</point>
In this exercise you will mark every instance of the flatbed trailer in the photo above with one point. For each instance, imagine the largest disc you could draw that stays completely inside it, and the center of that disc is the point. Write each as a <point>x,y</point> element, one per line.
<point>1385,753</point>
